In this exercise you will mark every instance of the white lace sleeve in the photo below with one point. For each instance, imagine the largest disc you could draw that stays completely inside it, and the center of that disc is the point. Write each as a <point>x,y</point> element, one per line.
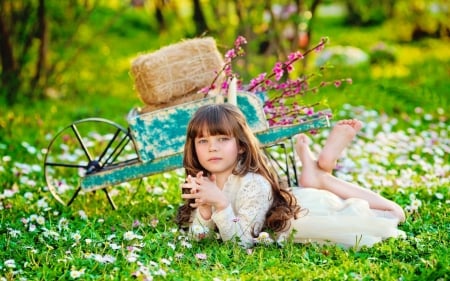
<point>247,215</point>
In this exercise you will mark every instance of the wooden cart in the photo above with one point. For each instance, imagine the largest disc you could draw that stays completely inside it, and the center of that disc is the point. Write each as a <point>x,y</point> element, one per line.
<point>95,153</point>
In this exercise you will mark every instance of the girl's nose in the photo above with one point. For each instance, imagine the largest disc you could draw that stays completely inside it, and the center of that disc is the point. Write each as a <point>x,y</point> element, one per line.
<point>212,146</point>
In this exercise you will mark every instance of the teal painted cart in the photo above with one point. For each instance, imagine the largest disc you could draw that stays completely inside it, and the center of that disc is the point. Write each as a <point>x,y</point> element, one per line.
<point>95,153</point>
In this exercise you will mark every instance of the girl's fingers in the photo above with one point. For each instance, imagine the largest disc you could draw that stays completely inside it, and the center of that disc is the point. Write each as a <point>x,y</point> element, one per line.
<point>197,203</point>
<point>199,175</point>
<point>195,196</point>
<point>188,185</point>
<point>189,195</point>
<point>193,184</point>
<point>186,189</point>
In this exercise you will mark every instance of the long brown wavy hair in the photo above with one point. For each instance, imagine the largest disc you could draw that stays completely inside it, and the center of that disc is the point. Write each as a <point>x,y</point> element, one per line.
<point>227,119</point>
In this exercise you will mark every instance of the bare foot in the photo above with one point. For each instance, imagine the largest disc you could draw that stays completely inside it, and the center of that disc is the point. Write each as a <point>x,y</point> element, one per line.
<point>341,135</point>
<point>310,174</point>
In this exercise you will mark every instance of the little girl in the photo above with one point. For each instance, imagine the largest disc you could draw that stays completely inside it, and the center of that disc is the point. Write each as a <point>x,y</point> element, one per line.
<point>230,187</point>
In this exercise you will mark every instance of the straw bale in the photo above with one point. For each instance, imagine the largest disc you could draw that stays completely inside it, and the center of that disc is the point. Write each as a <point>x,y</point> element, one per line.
<point>176,72</point>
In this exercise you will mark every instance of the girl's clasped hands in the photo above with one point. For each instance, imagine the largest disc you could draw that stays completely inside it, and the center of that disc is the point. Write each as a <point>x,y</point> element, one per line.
<point>204,194</point>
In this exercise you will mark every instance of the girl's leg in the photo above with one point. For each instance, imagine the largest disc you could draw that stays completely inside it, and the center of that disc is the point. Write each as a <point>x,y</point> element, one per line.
<point>313,176</point>
<point>341,135</point>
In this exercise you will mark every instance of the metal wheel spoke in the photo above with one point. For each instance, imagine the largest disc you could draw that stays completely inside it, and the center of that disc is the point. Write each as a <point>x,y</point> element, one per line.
<point>118,149</point>
<point>80,140</point>
<point>65,165</point>
<point>282,168</point>
<point>111,141</point>
<point>102,142</point>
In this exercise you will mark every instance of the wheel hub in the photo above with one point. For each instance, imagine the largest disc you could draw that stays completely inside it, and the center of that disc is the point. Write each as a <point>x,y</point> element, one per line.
<point>93,166</point>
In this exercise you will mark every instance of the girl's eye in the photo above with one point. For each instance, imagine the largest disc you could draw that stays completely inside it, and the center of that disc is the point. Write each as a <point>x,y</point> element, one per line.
<point>200,141</point>
<point>224,138</point>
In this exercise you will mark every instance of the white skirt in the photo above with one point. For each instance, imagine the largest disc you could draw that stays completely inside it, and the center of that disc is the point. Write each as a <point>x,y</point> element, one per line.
<point>327,218</point>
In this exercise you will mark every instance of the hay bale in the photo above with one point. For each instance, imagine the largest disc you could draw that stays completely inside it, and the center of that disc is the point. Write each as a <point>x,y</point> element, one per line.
<point>176,72</point>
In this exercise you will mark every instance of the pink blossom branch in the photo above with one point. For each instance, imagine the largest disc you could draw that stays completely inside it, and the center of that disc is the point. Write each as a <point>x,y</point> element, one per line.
<point>293,58</point>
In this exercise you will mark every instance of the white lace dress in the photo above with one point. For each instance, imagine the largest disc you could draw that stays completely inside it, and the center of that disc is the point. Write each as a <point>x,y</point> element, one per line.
<point>326,218</point>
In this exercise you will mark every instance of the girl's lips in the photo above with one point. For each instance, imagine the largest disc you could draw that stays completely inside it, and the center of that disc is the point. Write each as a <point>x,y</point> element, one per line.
<point>214,159</point>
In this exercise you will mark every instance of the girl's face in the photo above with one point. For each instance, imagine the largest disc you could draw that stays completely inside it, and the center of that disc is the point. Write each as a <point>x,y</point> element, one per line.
<point>218,154</point>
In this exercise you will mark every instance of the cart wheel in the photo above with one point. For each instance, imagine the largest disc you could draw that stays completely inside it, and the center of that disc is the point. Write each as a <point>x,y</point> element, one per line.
<point>86,146</point>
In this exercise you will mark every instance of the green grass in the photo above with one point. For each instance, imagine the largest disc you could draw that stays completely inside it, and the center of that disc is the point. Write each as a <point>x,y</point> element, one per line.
<point>39,237</point>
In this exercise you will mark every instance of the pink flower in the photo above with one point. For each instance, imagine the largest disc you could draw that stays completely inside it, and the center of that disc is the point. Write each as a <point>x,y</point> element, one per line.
<point>309,111</point>
<point>280,93</point>
<point>240,40</point>
<point>289,68</point>
<point>292,57</point>
<point>278,70</point>
<point>230,54</point>
<point>154,222</point>
<point>201,256</point>
<point>225,85</point>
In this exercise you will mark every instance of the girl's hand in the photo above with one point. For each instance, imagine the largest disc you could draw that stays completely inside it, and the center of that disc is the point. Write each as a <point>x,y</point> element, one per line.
<point>204,209</point>
<point>205,191</point>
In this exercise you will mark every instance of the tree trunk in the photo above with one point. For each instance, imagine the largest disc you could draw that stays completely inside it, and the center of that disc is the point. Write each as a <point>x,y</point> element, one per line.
<point>40,77</point>
<point>159,14</point>
<point>199,19</point>
<point>314,6</point>
<point>9,75</point>
<point>313,9</point>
